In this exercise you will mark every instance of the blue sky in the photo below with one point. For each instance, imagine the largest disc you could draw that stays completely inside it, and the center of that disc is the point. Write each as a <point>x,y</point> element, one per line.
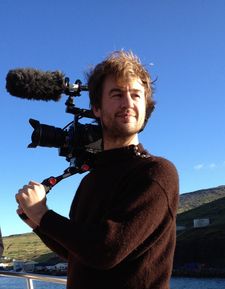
<point>182,43</point>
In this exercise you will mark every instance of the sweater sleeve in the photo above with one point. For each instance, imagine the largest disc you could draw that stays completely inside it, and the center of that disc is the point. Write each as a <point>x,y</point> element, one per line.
<point>144,211</point>
<point>52,244</point>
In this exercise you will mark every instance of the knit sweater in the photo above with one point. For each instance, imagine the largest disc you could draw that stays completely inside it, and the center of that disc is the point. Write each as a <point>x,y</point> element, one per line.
<point>121,230</point>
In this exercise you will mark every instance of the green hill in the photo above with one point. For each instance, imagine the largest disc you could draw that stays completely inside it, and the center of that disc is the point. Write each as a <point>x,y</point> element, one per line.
<point>205,245</point>
<point>214,211</point>
<point>28,247</point>
<point>189,201</point>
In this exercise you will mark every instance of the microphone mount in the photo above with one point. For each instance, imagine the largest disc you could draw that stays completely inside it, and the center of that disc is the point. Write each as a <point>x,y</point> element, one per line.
<point>74,89</point>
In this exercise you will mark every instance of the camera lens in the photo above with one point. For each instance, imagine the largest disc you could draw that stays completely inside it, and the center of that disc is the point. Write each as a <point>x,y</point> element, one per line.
<point>46,135</point>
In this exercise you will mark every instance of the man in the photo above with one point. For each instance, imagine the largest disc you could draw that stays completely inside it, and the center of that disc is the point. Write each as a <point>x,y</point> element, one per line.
<point>121,229</point>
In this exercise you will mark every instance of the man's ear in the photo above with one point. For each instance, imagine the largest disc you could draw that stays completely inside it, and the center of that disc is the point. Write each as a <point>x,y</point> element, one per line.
<point>97,111</point>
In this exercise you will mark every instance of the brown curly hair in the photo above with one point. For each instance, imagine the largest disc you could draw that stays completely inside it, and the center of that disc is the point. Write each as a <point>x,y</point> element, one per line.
<point>123,65</point>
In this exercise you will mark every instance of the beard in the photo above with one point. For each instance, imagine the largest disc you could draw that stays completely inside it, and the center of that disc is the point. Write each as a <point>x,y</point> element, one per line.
<point>121,127</point>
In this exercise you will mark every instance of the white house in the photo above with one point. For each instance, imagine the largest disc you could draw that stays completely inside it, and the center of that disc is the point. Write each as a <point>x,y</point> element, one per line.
<point>200,223</point>
<point>180,228</point>
<point>61,266</point>
<point>4,265</point>
<point>18,265</point>
<point>29,266</point>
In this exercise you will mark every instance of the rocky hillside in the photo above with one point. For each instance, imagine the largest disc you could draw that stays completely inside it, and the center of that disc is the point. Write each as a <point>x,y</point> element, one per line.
<point>189,201</point>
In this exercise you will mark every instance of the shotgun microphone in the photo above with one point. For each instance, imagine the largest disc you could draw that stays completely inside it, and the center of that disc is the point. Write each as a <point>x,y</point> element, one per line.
<point>35,84</point>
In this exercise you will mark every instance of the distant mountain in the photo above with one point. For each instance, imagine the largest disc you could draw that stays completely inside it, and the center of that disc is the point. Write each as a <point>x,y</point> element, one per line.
<point>189,201</point>
<point>202,245</point>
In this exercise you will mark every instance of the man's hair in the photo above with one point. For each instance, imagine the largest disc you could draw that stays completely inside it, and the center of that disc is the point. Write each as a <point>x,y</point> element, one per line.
<point>123,65</point>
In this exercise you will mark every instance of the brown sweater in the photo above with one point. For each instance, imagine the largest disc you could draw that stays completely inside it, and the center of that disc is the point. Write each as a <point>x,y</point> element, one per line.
<point>121,230</point>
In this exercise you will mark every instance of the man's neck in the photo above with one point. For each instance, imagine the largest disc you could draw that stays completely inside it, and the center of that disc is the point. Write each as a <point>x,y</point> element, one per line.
<point>114,143</point>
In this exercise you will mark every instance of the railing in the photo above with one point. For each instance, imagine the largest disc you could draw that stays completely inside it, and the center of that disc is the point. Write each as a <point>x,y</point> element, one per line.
<point>31,277</point>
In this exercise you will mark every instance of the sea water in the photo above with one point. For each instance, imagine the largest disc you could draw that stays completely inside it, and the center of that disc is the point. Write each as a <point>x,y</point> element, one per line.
<point>21,283</point>
<point>197,283</point>
<point>176,283</point>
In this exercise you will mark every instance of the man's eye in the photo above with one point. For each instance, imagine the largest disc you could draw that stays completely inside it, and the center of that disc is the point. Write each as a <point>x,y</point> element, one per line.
<point>117,95</point>
<point>136,95</point>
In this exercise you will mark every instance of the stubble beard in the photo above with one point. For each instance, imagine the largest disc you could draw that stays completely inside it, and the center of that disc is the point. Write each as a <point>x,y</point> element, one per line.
<point>119,131</point>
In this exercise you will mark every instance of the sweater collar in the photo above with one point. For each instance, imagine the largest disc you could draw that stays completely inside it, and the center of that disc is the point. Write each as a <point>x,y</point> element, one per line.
<point>121,154</point>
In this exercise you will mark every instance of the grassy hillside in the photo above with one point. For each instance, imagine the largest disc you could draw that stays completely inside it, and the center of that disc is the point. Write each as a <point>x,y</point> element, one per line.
<point>202,245</point>
<point>27,247</point>
<point>214,210</point>
<point>189,201</point>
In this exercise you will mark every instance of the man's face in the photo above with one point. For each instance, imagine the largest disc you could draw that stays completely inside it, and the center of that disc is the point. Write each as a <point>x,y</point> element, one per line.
<point>123,108</point>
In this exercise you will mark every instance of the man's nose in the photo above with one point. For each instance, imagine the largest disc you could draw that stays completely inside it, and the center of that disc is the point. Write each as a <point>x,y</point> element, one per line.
<point>127,100</point>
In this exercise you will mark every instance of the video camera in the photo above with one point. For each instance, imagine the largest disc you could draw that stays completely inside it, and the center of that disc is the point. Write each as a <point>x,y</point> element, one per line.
<point>76,142</point>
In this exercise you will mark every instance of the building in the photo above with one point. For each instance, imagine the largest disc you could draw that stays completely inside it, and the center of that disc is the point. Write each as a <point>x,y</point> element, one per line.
<point>200,223</point>
<point>18,265</point>
<point>61,266</point>
<point>29,266</point>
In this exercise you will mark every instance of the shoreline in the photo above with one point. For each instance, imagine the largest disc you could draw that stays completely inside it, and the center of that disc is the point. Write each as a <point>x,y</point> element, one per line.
<point>202,273</point>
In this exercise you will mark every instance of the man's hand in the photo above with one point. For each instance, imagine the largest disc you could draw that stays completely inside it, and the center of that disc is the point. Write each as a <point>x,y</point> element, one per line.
<point>27,220</point>
<point>32,201</point>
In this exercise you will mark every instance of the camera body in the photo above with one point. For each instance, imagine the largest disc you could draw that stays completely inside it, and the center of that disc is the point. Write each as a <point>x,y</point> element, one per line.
<point>76,142</point>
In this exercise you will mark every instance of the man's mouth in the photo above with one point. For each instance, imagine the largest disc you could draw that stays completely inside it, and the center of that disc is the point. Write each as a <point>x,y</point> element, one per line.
<point>126,117</point>
<point>126,114</point>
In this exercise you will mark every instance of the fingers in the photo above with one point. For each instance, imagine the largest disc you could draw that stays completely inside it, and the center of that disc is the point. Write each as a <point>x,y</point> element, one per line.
<point>32,201</point>
<point>19,210</point>
<point>31,186</point>
<point>22,193</point>
<point>33,183</point>
<point>29,222</point>
<point>17,197</point>
<point>32,192</point>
